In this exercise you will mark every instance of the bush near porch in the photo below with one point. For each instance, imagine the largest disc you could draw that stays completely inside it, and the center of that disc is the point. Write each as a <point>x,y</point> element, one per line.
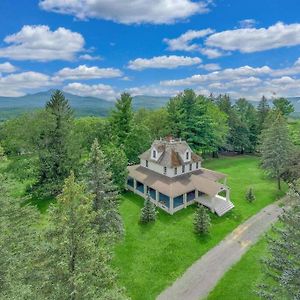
<point>152,256</point>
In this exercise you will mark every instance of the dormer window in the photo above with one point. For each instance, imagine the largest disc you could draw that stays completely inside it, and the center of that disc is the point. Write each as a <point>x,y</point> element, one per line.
<point>187,156</point>
<point>154,153</point>
<point>197,165</point>
<point>146,163</point>
<point>191,167</point>
<point>165,170</point>
<point>175,171</point>
<point>183,169</point>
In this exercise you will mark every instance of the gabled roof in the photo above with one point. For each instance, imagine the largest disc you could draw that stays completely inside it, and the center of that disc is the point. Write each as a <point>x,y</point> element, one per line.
<point>170,153</point>
<point>202,180</point>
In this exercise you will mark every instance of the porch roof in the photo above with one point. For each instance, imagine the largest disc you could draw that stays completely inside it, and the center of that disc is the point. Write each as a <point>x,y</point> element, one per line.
<point>202,180</point>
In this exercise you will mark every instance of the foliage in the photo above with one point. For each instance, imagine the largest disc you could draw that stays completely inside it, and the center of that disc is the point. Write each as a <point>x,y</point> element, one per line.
<point>282,265</point>
<point>121,118</point>
<point>263,110</point>
<point>276,147</point>
<point>250,197</point>
<point>148,212</point>
<point>56,153</point>
<point>18,242</point>
<point>202,222</point>
<point>284,106</point>
<point>74,260</point>
<point>2,154</point>
<point>105,193</point>
<point>117,164</point>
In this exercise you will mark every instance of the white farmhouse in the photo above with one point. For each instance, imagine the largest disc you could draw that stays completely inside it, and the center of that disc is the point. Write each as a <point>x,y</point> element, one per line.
<point>173,177</point>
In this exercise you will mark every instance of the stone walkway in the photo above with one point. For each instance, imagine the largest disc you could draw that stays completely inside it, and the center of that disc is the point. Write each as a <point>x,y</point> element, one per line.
<point>204,274</point>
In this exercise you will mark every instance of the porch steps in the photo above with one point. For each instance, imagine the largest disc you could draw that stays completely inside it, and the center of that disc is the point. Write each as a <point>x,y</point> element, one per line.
<point>222,207</point>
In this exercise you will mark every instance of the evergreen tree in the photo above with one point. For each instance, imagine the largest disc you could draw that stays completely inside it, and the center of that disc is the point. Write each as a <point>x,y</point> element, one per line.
<point>2,154</point>
<point>122,117</point>
<point>148,212</point>
<point>18,242</point>
<point>276,147</point>
<point>105,193</point>
<point>284,106</point>
<point>201,221</point>
<point>74,260</point>
<point>174,116</point>
<point>263,109</point>
<point>281,267</point>
<point>55,155</point>
<point>250,197</point>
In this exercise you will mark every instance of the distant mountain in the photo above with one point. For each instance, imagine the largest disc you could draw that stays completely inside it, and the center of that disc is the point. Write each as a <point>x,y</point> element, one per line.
<point>87,106</point>
<point>83,106</point>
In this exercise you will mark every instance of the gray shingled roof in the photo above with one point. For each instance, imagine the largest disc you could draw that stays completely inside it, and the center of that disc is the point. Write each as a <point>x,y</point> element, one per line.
<point>203,180</point>
<point>170,153</point>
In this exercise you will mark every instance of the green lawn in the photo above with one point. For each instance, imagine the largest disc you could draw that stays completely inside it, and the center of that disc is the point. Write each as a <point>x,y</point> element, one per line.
<point>240,281</point>
<point>153,256</point>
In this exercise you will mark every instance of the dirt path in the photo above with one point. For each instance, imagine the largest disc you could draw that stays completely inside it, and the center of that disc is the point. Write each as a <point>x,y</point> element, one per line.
<point>204,274</point>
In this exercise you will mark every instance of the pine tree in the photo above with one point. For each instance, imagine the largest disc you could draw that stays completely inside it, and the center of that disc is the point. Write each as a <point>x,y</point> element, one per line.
<point>202,221</point>
<point>263,109</point>
<point>281,266</point>
<point>18,242</point>
<point>74,260</point>
<point>2,154</point>
<point>276,147</point>
<point>121,118</point>
<point>284,106</point>
<point>148,212</point>
<point>55,157</point>
<point>105,193</point>
<point>250,197</point>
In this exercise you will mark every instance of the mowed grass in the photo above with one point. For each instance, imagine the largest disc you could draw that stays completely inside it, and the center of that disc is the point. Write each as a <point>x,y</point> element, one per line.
<point>152,256</point>
<point>240,282</point>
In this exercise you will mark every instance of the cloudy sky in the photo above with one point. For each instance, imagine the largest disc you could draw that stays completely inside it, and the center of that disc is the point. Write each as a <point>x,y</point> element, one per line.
<point>152,47</point>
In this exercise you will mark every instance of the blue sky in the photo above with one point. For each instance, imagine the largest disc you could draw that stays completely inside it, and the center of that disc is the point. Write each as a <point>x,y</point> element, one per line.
<point>154,47</point>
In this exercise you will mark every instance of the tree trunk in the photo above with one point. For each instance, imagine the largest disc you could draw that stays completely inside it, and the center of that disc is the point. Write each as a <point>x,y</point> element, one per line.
<point>279,183</point>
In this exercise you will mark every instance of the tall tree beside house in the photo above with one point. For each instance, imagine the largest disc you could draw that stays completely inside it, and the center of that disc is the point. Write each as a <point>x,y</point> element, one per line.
<point>148,212</point>
<point>263,109</point>
<point>174,116</point>
<point>117,163</point>
<point>276,147</point>
<point>74,260</point>
<point>202,221</point>
<point>284,106</point>
<point>121,118</point>
<point>281,266</point>
<point>56,157</point>
<point>105,193</point>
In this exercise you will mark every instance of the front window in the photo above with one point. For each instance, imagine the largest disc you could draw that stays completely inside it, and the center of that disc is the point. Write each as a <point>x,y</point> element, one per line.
<point>191,166</point>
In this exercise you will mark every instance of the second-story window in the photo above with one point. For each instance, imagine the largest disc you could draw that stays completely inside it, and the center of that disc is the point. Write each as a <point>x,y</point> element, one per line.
<point>187,156</point>
<point>191,167</point>
<point>175,171</point>
<point>165,170</point>
<point>183,169</point>
<point>154,154</point>
<point>146,163</point>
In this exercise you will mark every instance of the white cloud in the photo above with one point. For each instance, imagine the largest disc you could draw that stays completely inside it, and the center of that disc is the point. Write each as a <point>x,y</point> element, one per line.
<point>212,53</point>
<point>7,67</point>
<point>247,23</point>
<point>100,90</point>
<point>152,90</point>
<point>183,42</point>
<point>249,40</point>
<point>89,57</point>
<point>17,84</point>
<point>210,67</point>
<point>163,62</point>
<point>40,43</point>
<point>84,72</point>
<point>128,11</point>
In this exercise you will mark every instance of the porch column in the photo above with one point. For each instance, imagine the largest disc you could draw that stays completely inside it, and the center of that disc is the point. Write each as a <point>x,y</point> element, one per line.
<point>185,199</point>
<point>157,196</point>
<point>171,205</point>
<point>227,194</point>
<point>145,190</point>
<point>225,180</point>
<point>196,194</point>
<point>134,185</point>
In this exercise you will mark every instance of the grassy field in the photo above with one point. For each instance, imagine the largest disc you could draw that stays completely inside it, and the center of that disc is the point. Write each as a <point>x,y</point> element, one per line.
<point>153,256</point>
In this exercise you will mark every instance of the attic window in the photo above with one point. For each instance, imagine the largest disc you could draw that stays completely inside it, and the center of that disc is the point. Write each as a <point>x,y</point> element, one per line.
<point>187,156</point>
<point>146,163</point>
<point>197,165</point>
<point>154,154</point>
